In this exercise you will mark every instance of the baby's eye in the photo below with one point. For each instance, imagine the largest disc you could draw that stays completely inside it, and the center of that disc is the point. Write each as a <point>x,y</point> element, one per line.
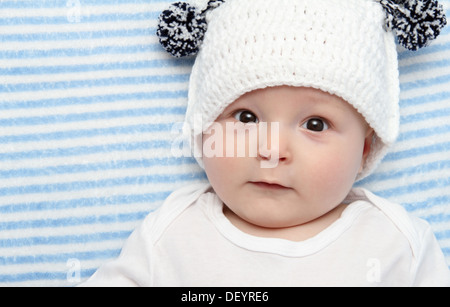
<point>246,117</point>
<point>316,125</point>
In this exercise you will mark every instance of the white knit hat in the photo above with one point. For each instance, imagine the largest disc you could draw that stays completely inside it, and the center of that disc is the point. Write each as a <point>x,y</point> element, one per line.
<point>338,46</point>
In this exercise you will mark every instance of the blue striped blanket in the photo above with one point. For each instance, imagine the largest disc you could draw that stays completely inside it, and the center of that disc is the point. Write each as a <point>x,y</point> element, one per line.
<point>88,106</point>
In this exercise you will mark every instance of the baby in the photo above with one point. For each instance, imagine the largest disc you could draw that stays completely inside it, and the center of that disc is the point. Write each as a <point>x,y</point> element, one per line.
<point>295,100</point>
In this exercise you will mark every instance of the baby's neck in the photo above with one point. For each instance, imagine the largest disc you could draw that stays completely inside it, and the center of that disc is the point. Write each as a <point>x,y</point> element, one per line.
<point>296,233</point>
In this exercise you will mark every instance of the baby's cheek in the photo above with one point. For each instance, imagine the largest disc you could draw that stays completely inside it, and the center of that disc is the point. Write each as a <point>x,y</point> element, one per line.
<point>336,175</point>
<point>220,171</point>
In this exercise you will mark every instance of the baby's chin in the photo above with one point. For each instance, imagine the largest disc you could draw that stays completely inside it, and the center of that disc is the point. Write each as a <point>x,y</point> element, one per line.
<point>280,224</point>
<point>274,221</point>
<point>294,226</point>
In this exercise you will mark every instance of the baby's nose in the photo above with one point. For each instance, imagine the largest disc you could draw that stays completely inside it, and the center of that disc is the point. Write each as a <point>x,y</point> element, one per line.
<point>274,145</point>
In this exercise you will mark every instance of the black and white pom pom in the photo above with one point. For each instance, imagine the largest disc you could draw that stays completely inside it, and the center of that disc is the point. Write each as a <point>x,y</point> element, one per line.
<point>182,27</point>
<point>415,22</point>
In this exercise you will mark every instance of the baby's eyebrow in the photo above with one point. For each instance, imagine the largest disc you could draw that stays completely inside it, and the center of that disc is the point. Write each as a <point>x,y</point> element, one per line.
<point>323,103</point>
<point>241,105</point>
<point>330,101</point>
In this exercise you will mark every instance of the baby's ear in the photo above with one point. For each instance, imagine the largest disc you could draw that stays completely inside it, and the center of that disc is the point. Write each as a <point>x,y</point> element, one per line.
<point>368,142</point>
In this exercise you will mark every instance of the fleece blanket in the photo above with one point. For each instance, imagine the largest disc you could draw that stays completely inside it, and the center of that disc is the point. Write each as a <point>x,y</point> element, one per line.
<point>90,106</point>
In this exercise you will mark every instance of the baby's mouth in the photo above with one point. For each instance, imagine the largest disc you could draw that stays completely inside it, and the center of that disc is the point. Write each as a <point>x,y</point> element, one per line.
<point>269,186</point>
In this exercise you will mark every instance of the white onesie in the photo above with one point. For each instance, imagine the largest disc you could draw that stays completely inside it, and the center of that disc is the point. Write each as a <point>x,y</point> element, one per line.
<point>189,242</point>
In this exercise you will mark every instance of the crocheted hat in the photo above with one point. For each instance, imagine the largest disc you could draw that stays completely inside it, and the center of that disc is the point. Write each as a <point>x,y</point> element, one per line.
<point>343,47</point>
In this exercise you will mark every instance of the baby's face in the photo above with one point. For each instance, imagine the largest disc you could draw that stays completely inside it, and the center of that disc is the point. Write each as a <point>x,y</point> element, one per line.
<point>320,148</point>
